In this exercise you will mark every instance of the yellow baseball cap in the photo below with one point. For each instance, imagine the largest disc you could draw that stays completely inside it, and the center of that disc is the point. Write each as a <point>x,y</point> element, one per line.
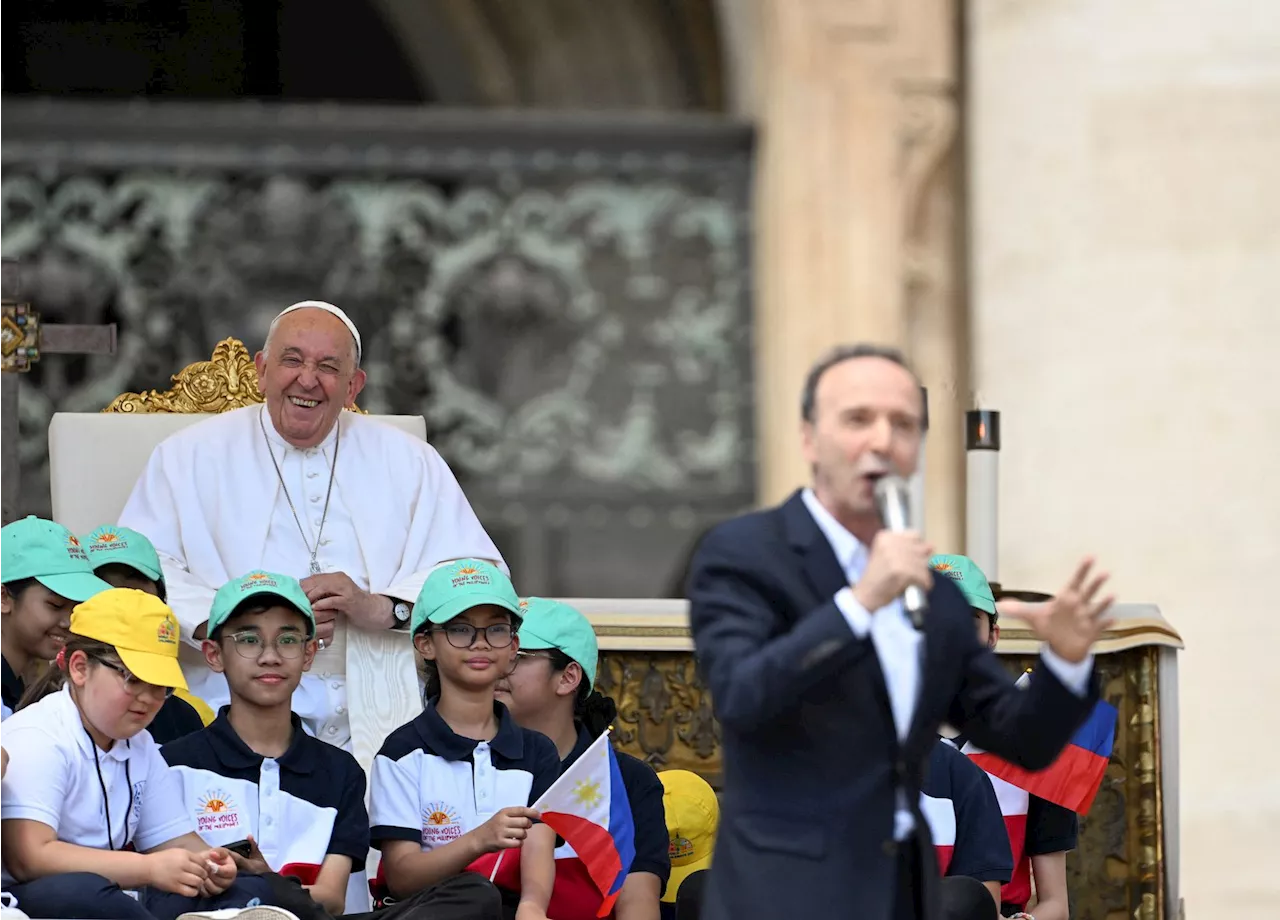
<point>141,628</point>
<point>693,815</point>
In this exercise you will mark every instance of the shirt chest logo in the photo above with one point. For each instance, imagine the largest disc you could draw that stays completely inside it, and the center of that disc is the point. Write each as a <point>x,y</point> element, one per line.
<point>216,811</point>
<point>440,824</point>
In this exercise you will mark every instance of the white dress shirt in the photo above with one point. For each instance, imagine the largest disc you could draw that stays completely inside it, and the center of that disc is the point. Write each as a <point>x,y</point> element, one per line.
<point>897,643</point>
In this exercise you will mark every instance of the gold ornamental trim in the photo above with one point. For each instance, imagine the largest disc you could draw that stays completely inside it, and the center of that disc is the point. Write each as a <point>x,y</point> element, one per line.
<point>227,381</point>
<point>663,626</point>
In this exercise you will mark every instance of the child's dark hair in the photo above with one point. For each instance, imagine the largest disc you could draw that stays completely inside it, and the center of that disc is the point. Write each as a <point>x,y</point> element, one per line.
<point>590,707</point>
<point>55,676</point>
<point>123,566</point>
<point>255,605</point>
<point>16,588</point>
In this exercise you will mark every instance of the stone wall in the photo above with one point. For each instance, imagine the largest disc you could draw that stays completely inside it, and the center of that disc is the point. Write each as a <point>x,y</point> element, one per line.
<point>1125,244</point>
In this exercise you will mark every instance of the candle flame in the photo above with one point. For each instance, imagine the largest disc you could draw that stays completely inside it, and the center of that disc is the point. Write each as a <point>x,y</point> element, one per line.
<point>982,431</point>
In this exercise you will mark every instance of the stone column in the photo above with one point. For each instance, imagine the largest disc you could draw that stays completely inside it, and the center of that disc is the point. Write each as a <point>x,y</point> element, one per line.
<point>857,205</point>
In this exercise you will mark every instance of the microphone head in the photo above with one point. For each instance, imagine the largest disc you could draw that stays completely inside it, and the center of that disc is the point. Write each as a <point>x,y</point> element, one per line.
<point>891,488</point>
<point>893,499</point>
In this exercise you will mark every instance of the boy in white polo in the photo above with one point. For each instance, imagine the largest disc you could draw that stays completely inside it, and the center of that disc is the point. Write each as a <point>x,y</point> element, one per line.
<point>255,773</point>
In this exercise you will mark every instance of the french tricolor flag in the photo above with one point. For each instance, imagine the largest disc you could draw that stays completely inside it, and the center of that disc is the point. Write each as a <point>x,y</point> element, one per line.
<point>1073,780</point>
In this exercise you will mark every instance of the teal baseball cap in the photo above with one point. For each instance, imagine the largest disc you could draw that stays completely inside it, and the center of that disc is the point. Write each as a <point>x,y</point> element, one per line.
<point>968,578</point>
<point>457,586</point>
<point>554,624</point>
<point>111,544</point>
<point>46,551</point>
<point>261,586</point>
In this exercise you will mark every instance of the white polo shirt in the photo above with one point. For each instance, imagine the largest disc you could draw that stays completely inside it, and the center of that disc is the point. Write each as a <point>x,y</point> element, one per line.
<point>431,785</point>
<point>52,778</point>
<point>299,807</point>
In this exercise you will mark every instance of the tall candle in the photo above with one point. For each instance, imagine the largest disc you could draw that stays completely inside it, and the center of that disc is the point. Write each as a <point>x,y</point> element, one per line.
<point>917,480</point>
<point>982,447</point>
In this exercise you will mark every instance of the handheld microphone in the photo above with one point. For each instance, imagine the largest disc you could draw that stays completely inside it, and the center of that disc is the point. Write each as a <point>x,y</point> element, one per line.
<point>893,498</point>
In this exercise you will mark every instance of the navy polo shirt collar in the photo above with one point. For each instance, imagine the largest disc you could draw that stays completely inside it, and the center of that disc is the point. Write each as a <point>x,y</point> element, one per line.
<point>440,739</point>
<point>585,740</point>
<point>13,686</point>
<point>234,754</point>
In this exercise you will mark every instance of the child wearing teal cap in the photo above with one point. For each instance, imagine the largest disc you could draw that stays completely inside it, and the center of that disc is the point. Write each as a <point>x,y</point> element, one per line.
<point>454,787</point>
<point>309,814</point>
<point>551,690</point>
<point>45,573</point>
<point>976,589</point>
<point>124,558</point>
<point>1051,831</point>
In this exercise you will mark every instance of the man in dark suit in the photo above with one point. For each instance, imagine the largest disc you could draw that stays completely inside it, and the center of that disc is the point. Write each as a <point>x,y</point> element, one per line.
<point>828,699</point>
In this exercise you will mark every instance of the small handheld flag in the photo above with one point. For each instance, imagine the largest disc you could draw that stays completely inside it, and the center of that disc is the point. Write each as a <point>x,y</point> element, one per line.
<point>588,807</point>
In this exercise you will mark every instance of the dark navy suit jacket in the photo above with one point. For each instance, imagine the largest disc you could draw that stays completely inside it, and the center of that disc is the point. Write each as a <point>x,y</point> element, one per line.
<point>812,762</point>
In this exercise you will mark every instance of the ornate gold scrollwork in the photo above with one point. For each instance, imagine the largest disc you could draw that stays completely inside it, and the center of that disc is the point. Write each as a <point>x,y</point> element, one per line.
<point>665,718</point>
<point>228,380</point>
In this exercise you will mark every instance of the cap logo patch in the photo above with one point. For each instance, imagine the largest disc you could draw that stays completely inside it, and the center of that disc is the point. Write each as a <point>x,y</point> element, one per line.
<point>680,847</point>
<point>258,580</point>
<point>167,631</point>
<point>108,540</point>
<point>75,550</point>
<point>468,575</point>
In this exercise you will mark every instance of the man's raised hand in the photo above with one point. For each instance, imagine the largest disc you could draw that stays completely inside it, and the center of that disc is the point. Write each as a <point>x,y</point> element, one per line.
<point>1074,620</point>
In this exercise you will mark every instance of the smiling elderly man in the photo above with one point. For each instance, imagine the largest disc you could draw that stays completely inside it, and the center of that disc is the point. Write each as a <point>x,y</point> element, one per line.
<point>357,510</point>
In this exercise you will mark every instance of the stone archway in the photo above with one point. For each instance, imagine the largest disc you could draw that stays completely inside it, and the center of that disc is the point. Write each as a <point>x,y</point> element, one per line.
<point>563,54</point>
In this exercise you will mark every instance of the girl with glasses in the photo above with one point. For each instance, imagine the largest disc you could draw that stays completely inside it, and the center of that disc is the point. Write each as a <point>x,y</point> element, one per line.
<point>90,809</point>
<point>456,783</point>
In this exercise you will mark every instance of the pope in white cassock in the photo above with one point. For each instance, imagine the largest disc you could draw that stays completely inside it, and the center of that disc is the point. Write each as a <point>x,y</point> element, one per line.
<point>357,510</point>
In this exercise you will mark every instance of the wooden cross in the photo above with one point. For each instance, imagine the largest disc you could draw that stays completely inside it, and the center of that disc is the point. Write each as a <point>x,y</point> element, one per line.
<point>23,341</point>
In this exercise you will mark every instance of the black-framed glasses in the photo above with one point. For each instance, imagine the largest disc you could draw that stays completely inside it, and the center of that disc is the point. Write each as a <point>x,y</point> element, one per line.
<point>251,645</point>
<point>463,635</point>
<point>134,686</point>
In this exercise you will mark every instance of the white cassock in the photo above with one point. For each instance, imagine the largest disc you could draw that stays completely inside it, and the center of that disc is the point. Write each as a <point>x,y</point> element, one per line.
<point>211,502</point>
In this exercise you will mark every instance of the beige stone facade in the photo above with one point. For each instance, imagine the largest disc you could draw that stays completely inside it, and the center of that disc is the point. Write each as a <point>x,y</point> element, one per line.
<point>1122,243</point>
<point>1125,245</point>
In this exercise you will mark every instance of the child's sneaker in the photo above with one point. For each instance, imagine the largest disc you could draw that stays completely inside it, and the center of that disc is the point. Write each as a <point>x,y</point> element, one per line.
<point>9,908</point>
<point>258,912</point>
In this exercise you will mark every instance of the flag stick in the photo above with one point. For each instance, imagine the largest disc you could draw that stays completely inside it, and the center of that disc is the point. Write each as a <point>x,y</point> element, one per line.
<point>496,863</point>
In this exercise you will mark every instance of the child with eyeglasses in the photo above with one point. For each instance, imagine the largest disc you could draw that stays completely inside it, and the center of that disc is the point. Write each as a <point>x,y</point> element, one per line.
<point>254,774</point>
<point>92,822</point>
<point>456,783</point>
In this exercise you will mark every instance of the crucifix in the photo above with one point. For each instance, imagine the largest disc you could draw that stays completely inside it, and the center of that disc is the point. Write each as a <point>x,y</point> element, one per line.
<point>23,341</point>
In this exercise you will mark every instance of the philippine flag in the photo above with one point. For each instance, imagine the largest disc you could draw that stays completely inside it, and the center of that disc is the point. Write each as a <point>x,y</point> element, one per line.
<point>588,807</point>
<point>1073,780</point>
